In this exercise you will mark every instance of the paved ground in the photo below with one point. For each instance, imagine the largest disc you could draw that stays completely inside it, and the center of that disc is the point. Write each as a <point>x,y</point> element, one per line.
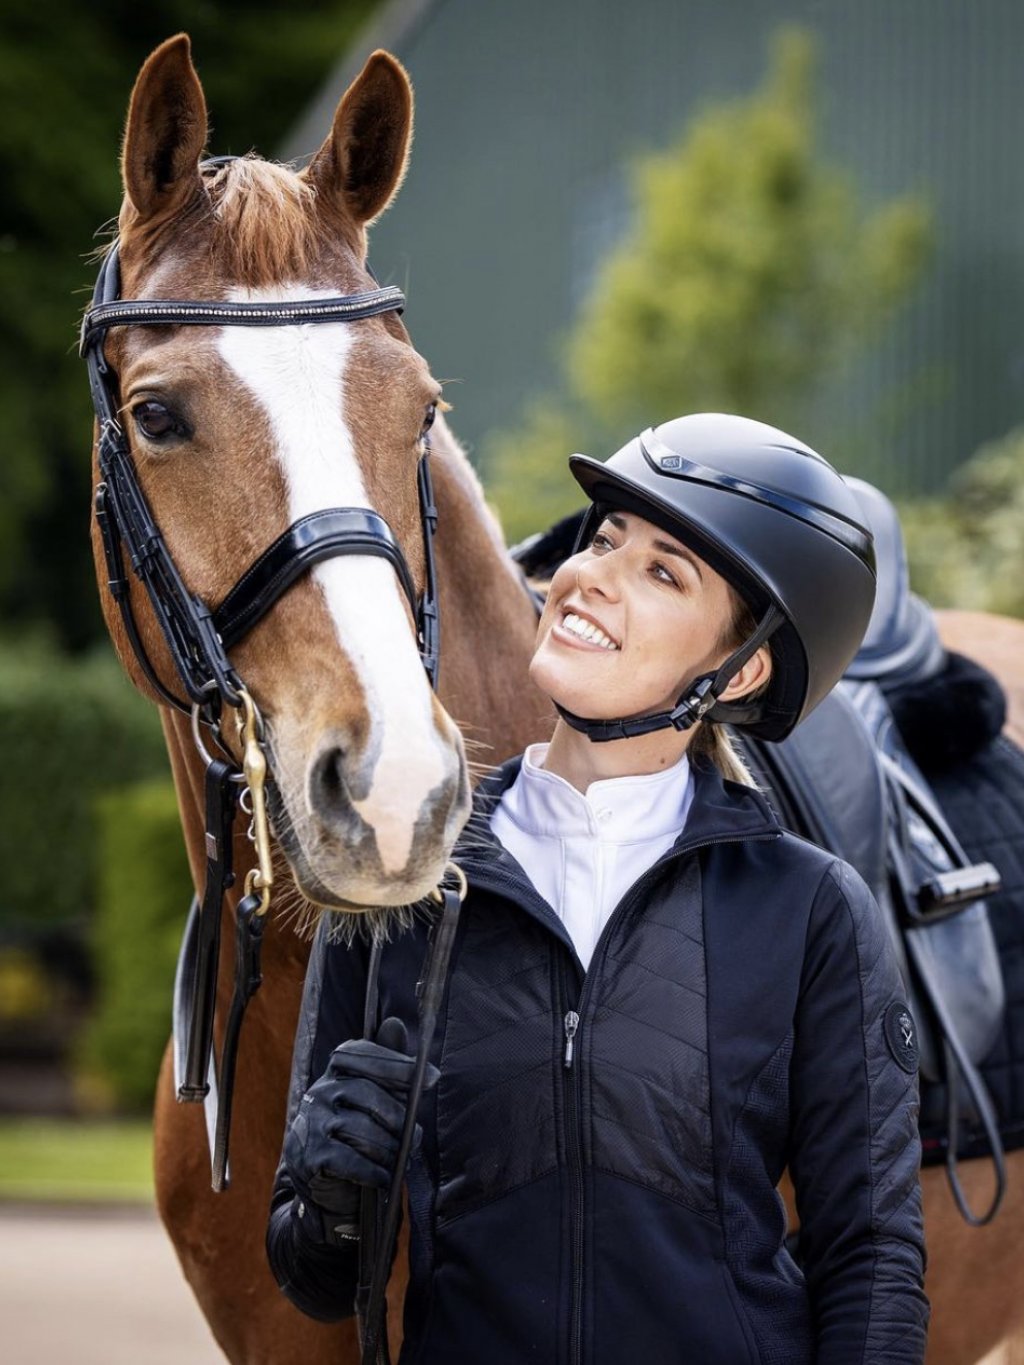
<point>95,1288</point>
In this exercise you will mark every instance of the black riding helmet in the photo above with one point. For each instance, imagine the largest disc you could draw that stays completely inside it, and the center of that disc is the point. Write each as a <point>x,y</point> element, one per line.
<point>780,525</point>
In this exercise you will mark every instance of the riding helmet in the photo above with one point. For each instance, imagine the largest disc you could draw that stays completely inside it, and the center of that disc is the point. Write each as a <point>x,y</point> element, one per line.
<point>780,525</point>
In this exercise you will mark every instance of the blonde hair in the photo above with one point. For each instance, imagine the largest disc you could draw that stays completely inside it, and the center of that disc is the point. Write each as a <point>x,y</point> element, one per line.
<point>715,743</point>
<point>712,741</point>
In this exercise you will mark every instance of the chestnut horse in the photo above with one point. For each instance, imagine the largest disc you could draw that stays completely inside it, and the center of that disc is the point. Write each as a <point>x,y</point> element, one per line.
<point>235,434</point>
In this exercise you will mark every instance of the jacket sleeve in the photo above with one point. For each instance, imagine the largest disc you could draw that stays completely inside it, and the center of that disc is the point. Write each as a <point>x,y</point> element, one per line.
<point>855,1151</point>
<point>319,1278</point>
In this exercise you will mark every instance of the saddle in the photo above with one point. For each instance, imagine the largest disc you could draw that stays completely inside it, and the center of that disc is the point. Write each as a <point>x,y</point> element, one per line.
<point>846,780</point>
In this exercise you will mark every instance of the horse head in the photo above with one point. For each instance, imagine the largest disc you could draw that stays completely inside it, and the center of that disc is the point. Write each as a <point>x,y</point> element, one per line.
<point>237,433</point>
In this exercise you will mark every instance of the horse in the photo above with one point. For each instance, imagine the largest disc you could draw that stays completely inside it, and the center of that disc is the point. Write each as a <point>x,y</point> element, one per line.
<point>234,434</point>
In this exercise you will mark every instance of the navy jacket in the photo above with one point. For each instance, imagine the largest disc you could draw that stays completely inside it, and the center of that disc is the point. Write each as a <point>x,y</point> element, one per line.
<point>603,1191</point>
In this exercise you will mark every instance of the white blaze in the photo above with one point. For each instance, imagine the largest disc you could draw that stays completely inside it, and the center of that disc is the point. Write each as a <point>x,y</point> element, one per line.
<point>297,376</point>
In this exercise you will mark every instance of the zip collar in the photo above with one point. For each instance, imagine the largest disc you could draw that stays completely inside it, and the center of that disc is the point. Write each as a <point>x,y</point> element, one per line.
<point>721,812</point>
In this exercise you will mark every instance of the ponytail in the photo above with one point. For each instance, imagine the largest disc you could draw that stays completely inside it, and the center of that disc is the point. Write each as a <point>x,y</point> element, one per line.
<point>715,743</point>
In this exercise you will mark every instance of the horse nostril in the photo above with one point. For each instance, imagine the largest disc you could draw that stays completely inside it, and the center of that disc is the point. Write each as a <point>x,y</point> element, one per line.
<point>328,789</point>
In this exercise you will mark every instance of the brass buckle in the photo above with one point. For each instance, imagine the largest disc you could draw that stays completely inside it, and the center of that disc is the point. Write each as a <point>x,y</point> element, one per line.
<point>259,880</point>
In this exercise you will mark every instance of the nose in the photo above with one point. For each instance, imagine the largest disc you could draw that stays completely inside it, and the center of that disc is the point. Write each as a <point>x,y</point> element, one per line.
<point>392,810</point>
<point>598,575</point>
<point>329,794</point>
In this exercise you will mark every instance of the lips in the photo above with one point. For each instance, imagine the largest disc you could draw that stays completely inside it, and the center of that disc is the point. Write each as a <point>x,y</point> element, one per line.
<point>586,629</point>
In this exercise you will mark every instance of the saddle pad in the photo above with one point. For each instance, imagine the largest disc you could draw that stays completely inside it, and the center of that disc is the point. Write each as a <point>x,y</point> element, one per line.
<point>983,800</point>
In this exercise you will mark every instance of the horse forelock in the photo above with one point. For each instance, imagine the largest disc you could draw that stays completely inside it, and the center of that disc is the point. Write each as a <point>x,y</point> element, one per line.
<point>255,222</point>
<point>265,225</point>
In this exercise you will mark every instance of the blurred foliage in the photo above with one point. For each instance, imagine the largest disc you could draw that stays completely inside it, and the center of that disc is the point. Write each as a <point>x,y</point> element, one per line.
<point>966,548</point>
<point>69,730</point>
<point>26,992</point>
<point>143,892</point>
<point>66,72</point>
<point>749,271</point>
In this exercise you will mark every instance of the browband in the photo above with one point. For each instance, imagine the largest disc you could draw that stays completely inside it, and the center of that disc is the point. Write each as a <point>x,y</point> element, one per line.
<point>189,313</point>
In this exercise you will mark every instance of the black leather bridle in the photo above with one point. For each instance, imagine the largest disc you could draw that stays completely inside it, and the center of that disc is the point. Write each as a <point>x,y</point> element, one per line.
<point>197,635</point>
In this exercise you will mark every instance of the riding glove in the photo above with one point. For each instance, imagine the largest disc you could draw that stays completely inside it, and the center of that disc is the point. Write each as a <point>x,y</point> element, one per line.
<point>347,1131</point>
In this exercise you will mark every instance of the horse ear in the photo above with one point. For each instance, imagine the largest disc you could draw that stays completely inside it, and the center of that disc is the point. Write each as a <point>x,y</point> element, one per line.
<point>363,161</point>
<point>166,132</point>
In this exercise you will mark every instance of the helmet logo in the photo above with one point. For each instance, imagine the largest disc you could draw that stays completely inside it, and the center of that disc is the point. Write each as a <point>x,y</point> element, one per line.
<point>671,462</point>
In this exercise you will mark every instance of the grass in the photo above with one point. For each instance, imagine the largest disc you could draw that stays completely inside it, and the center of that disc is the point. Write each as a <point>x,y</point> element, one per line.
<point>65,1160</point>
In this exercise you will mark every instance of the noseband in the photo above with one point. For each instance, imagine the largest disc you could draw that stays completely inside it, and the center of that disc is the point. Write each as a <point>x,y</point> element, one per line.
<point>198,637</point>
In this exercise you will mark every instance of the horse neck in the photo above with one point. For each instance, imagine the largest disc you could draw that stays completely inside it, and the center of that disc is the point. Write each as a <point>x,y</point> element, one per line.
<point>488,620</point>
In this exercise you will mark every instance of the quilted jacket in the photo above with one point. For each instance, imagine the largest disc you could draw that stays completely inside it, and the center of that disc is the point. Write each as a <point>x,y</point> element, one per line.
<point>596,1181</point>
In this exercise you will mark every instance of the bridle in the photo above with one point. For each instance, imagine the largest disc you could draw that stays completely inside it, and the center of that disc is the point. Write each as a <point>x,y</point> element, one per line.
<point>197,635</point>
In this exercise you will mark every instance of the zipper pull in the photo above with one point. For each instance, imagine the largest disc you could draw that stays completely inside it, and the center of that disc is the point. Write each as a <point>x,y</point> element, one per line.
<point>572,1023</point>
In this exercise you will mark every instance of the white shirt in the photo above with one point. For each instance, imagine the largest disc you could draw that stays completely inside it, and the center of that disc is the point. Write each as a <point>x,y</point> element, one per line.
<point>583,851</point>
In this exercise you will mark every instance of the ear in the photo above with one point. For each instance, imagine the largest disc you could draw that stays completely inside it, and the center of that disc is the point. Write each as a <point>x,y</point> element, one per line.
<point>362,163</point>
<point>166,132</point>
<point>755,673</point>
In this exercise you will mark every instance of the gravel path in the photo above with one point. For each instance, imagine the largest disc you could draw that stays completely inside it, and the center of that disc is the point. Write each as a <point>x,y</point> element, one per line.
<point>95,1287</point>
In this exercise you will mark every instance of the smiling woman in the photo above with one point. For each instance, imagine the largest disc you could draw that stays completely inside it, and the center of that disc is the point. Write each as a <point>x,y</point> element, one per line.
<point>659,998</point>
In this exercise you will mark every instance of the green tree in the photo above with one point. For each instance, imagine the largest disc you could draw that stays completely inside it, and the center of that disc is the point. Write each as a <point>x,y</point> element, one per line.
<point>966,548</point>
<point>66,71</point>
<point>749,270</point>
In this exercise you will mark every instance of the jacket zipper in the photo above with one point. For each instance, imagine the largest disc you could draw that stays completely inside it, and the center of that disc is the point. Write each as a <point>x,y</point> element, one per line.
<point>573,1100</point>
<point>574,1159</point>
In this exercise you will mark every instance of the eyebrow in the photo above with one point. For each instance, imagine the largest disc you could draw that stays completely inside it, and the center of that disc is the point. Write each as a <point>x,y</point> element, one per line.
<point>665,547</point>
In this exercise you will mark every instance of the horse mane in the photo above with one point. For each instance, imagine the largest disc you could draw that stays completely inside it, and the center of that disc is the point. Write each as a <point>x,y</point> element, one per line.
<point>267,231</point>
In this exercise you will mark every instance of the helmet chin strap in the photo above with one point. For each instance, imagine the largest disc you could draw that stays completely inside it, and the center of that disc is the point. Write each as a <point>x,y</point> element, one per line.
<point>693,705</point>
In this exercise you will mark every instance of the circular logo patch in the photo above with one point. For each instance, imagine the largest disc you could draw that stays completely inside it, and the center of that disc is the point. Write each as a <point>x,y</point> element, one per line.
<point>901,1035</point>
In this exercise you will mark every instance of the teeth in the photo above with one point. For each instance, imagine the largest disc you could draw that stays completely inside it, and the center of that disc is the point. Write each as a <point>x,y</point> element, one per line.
<point>586,630</point>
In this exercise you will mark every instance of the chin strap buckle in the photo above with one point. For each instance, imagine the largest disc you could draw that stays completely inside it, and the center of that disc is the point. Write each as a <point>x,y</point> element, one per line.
<point>695,705</point>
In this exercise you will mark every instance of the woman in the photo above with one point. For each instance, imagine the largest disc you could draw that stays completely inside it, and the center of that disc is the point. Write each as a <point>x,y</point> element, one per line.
<point>658,999</point>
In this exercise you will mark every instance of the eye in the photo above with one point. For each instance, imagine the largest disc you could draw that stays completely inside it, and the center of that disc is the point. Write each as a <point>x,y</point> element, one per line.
<point>155,421</point>
<point>601,542</point>
<point>664,575</point>
<point>428,420</point>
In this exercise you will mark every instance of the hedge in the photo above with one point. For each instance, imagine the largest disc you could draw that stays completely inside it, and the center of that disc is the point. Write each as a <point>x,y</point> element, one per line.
<point>143,892</point>
<point>70,729</point>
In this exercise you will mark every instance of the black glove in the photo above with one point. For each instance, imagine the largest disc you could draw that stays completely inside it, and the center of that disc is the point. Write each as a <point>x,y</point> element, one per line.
<point>347,1130</point>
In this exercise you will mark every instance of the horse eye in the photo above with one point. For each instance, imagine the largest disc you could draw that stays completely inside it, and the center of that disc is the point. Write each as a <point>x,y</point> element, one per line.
<point>428,421</point>
<point>154,421</point>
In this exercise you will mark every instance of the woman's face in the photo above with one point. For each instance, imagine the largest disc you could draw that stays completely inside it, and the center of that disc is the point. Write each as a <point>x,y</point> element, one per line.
<point>629,622</point>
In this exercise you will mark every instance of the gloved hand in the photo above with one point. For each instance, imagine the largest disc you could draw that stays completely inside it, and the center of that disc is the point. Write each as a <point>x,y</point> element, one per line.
<point>348,1128</point>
